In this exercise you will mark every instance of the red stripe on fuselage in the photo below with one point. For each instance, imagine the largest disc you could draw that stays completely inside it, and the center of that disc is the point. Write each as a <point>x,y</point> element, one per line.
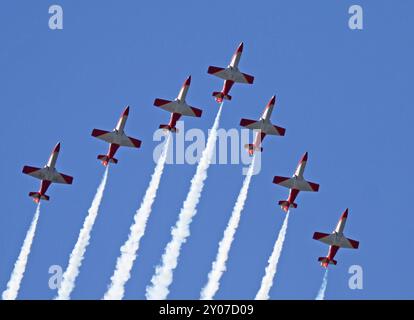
<point>173,119</point>
<point>44,185</point>
<point>293,193</point>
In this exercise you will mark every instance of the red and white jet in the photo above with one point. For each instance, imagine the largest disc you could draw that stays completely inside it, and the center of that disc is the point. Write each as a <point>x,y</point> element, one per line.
<point>296,184</point>
<point>265,127</point>
<point>47,174</point>
<point>335,240</point>
<point>116,138</point>
<point>231,74</point>
<point>178,107</point>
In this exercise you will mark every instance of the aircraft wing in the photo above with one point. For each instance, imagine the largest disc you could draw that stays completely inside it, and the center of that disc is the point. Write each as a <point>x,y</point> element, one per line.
<point>230,74</point>
<point>58,177</point>
<point>324,237</point>
<point>45,174</point>
<point>34,172</point>
<point>175,107</point>
<point>119,139</point>
<point>102,135</point>
<point>217,71</point>
<point>298,184</point>
<point>333,239</point>
<point>265,128</point>
<point>349,243</point>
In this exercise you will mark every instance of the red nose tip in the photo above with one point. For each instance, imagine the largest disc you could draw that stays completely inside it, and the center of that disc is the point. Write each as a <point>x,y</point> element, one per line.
<point>304,157</point>
<point>272,101</point>
<point>240,48</point>
<point>57,148</point>
<point>126,111</point>
<point>344,214</point>
<point>187,81</point>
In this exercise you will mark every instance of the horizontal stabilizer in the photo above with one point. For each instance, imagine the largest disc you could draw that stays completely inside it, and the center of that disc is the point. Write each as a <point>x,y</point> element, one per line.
<point>251,146</point>
<point>105,158</point>
<point>287,204</point>
<point>325,261</point>
<point>37,196</point>
<point>167,127</point>
<point>220,96</point>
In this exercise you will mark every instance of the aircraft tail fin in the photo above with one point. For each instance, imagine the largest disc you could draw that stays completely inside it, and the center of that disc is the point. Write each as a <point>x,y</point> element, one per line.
<point>106,160</point>
<point>220,96</point>
<point>325,261</point>
<point>251,148</point>
<point>37,196</point>
<point>167,127</point>
<point>286,205</point>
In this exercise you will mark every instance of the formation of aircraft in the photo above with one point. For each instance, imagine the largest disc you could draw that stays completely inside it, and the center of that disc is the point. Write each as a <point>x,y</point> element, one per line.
<point>179,107</point>
<point>230,75</point>
<point>296,184</point>
<point>335,240</point>
<point>265,127</point>
<point>48,175</point>
<point>116,138</point>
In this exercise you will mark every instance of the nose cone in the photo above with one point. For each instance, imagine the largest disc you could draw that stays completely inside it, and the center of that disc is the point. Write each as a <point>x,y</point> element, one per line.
<point>304,157</point>
<point>345,214</point>
<point>240,48</point>
<point>57,148</point>
<point>126,112</point>
<point>187,81</point>
<point>272,101</point>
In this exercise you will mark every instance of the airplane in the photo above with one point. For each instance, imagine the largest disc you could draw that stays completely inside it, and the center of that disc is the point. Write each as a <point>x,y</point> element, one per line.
<point>178,107</point>
<point>296,184</point>
<point>265,127</point>
<point>335,240</point>
<point>116,138</point>
<point>231,74</point>
<point>48,174</point>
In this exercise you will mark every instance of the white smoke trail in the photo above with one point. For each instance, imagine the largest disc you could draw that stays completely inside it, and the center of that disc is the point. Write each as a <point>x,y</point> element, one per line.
<point>219,265</point>
<point>270,272</point>
<point>321,293</point>
<point>75,260</point>
<point>125,261</point>
<point>16,277</point>
<point>163,276</point>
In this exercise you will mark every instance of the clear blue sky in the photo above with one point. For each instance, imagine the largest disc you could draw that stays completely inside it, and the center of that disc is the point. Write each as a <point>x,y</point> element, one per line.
<point>345,96</point>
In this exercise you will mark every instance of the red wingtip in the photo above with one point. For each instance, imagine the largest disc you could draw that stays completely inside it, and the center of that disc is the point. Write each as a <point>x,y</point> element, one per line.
<point>126,111</point>
<point>57,148</point>
<point>187,81</point>
<point>344,214</point>
<point>304,157</point>
<point>240,48</point>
